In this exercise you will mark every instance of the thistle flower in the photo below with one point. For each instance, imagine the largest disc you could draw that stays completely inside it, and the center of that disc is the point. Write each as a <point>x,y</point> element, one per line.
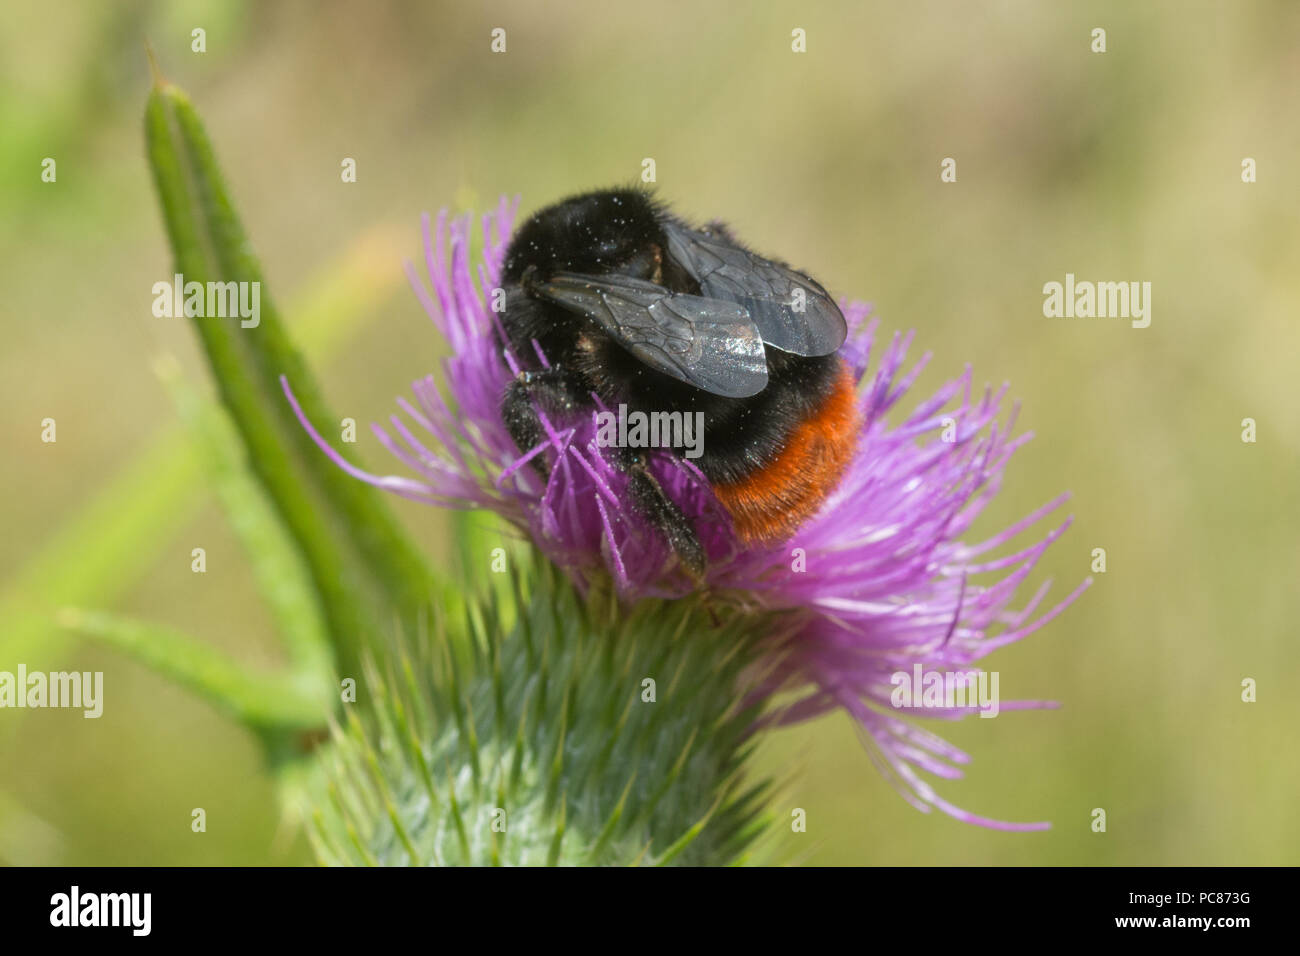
<point>881,579</point>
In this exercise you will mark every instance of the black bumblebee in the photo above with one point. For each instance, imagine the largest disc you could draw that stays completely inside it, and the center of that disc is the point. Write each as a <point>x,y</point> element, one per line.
<point>630,303</point>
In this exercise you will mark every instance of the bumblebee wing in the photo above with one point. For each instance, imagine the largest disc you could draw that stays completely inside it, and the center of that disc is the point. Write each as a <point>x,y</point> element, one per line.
<point>770,292</point>
<point>708,343</point>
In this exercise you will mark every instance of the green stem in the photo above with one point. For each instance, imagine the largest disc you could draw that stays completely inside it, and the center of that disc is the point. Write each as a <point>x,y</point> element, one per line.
<point>362,564</point>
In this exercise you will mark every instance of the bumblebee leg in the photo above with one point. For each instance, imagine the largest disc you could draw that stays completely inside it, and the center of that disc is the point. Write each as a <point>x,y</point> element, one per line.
<point>649,500</point>
<point>557,391</point>
<point>550,388</point>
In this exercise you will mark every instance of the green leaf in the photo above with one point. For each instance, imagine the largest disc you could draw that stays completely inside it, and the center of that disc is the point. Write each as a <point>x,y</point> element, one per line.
<point>277,566</point>
<point>98,552</point>
<point>129,517</point>
<point>362,564</point>
<point>265,702</point>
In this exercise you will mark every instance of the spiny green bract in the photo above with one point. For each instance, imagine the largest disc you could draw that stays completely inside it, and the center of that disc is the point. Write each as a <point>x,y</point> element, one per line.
<point>532,738</point>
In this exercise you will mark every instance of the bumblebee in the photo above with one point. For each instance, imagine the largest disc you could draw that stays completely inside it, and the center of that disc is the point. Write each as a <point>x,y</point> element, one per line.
<point>630,304</point>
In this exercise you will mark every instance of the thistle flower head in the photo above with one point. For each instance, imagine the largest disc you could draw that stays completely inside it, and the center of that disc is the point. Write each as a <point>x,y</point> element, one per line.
<point>883,578</point>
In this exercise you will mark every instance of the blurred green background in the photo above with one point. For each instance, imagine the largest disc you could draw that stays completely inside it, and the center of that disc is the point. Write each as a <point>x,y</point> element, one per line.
<point>1117,166</point>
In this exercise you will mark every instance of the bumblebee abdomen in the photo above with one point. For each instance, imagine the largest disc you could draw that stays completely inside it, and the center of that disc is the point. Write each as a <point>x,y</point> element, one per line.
<point>770,502</point>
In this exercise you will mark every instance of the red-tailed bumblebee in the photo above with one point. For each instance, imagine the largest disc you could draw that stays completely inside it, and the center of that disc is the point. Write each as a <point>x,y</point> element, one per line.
<point>631,304</point>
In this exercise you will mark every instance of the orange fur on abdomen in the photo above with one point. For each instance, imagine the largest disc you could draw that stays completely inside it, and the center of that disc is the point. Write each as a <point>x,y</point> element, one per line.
<point>768,505</point>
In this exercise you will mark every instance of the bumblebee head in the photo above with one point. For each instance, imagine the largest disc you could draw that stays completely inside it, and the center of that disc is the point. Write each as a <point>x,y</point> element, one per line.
<point>594,233</point>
